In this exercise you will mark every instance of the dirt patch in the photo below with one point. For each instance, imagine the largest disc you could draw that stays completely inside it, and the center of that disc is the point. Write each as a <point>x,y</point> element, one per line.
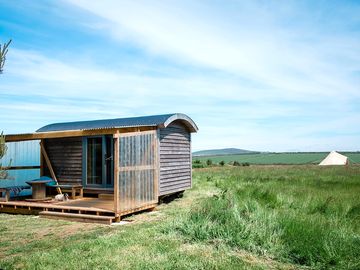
<point>66,230</point>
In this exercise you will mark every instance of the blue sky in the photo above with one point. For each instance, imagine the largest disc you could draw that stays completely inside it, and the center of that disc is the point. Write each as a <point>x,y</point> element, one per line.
<point>259,75</point>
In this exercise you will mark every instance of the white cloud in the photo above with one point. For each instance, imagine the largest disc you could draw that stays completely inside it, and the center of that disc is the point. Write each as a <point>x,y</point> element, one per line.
<point>250,41</point>
<point>260,84</point>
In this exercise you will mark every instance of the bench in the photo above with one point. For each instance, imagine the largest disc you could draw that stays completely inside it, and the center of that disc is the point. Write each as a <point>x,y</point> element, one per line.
<point>71,188</point>
<point>7,190</point>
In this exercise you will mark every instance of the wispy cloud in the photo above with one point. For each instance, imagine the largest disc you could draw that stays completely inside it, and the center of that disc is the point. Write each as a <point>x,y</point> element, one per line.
<point>258,75</point>
<point>252,41</point>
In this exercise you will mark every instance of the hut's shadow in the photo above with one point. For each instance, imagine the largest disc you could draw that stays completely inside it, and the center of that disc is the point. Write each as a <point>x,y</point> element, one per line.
<point>171,197</point>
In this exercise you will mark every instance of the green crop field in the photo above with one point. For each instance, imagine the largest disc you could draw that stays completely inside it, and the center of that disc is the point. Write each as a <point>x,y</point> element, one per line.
<point>255,217</point>
<point>277,158</point>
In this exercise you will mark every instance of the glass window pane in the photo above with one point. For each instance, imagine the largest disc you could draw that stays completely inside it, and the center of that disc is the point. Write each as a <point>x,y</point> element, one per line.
<point>109,161</point>
<point>94,161</point>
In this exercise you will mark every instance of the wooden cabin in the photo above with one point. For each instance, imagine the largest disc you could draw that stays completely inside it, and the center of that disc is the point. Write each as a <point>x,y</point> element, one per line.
<point>120,165</point>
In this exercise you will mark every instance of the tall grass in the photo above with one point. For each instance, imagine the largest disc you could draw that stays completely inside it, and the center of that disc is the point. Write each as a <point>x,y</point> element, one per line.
<point>305,215</point>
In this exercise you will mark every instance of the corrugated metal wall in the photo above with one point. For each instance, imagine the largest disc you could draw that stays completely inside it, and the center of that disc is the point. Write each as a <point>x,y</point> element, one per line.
<point>24,153</point>
<point>137,165</point>
<point>65,155</point>
<point>175,159</point>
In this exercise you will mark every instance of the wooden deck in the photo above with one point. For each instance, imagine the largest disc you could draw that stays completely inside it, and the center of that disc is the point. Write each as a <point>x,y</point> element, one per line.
<point>95,204</point>
<point>96,210</point>
<point>92,206</point>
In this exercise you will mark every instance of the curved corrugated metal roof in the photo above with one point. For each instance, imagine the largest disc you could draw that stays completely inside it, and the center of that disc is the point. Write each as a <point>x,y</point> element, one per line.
<point>151,120</point>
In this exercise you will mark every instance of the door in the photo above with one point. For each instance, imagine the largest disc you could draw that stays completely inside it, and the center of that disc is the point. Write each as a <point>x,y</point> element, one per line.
<point>138,170</point>
<point>98,161</point>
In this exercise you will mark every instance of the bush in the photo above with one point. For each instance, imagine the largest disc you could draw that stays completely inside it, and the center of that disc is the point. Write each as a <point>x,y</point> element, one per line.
<point>3,149</point>
<point>209,162</point>
<point>246,164</point>
<point>222,163</point>
<point>236,163</point>
<point>197,165</point>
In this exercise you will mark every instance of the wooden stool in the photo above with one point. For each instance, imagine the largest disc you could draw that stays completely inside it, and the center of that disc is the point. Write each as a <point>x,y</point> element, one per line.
<point>73,189</point>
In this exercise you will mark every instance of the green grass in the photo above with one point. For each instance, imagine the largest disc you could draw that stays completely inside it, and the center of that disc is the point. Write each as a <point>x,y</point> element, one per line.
<point>28,242</point>
<point>305,215</point>
<point>277,158</point>
<point>257,217</point>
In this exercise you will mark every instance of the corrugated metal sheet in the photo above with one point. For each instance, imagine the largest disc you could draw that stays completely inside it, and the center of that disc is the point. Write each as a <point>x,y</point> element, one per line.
<point>21,154</point>
<point>152,120</point>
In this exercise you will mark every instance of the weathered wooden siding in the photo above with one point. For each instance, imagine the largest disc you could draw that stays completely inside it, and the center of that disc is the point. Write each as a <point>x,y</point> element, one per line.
<point>175,159</point>
<point>65,155</point>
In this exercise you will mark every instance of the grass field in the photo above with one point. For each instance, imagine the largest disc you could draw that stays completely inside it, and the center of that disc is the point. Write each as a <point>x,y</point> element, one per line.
<point>257,217</point>
<point>277,158</point>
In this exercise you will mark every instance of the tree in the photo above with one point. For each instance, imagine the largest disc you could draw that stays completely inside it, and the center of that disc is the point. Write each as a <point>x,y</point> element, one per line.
<point>222,163</point>
<point>3,51</point>
<point>209,162</point>
<point>3,148</point>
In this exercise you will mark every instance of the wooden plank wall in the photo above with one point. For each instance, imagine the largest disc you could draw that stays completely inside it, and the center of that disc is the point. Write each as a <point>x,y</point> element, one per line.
<point>175,159</point>
<point>65,155</point>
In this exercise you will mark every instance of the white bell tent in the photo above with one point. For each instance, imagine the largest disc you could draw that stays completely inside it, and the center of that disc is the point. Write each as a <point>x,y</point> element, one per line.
<point>334,158</point>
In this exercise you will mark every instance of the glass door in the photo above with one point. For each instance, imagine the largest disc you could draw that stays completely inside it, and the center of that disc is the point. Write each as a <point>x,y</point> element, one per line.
<point>98,161</point>
<point>108,149</point>
<point>94,170</point>
<point>138,180</point>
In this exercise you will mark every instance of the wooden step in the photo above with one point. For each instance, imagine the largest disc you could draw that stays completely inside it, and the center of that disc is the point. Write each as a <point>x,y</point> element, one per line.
<point>105,196</point>
<point>77,217</point>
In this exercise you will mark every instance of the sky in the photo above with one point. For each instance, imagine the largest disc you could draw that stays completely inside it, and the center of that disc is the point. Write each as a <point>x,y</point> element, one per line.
<point>257,75</point>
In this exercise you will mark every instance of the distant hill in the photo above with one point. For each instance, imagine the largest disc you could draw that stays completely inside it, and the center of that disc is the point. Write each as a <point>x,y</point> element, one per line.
<point>222,152</point>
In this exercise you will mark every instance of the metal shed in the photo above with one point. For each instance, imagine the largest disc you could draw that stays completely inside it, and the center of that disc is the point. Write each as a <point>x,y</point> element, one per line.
<point>124,164</point>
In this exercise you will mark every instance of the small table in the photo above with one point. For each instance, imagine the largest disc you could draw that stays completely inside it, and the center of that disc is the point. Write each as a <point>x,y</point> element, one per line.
<point>39,189</point>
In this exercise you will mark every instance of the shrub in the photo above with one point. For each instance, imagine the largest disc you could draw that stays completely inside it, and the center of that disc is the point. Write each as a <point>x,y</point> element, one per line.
<point>3,149</point>
<point>236,163</point>
<point>209,162</point>
<point>197,164</point>
<point>245,164</point>
<point>222,163</point>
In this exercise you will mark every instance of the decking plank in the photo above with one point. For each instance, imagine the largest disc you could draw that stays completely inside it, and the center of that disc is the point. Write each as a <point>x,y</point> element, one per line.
<point>87,204</point>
